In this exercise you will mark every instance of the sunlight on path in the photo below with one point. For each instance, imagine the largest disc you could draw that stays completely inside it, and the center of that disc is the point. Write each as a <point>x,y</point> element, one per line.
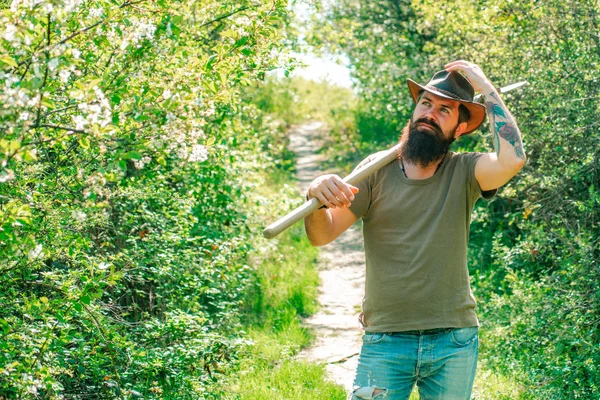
<point>341,269</point>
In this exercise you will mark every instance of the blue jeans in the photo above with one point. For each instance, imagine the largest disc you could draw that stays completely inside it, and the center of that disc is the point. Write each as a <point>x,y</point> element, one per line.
<point>441,362</point>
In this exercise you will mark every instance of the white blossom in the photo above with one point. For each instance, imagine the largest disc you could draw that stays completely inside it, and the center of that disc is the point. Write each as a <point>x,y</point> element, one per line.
<point>8,175</point>
<point>243,21</point>
<point>138,164</point>
<point>79,215</point>
<point>64,75</point>
<point>35,253</point>
<point>95,12</point>
<point>196,134</point>
<point>80,122</point>
<point>71,5</point>
<point>144,30</point>
<point>9,33</point>
<point>52,64</point>
<point>182,152</point>
<point>76,53</point>
<point>199,153</point>
<point>167,94</point>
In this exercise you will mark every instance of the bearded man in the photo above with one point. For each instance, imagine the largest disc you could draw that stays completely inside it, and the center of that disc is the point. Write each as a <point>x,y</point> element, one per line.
<point>418,310</point>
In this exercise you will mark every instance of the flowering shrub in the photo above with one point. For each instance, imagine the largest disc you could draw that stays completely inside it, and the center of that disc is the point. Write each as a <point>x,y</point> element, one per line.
<point>127,162</point>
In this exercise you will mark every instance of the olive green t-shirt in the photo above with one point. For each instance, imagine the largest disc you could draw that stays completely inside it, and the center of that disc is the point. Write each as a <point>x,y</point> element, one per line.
<point>416,234</point>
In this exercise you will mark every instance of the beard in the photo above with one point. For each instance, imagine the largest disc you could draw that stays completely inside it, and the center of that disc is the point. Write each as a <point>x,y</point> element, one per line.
<point>423,145</point>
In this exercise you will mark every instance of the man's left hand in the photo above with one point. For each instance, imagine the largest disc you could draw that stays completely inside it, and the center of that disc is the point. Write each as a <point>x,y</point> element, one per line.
<point>473,73</point>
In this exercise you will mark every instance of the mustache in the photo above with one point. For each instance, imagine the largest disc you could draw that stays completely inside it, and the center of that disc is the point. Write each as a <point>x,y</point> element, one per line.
<point>429,122</point>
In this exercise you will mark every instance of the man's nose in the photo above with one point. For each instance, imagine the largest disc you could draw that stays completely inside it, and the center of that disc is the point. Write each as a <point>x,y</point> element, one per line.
<point>430,113</point>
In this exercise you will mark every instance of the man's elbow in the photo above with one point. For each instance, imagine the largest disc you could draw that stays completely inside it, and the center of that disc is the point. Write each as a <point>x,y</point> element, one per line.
<point>514,164</point>
<point>519,163</point>
<point>318,241</point>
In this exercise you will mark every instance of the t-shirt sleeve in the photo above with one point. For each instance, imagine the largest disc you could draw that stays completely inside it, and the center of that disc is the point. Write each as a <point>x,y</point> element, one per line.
<point>362,200</point>
<point>475,191</point>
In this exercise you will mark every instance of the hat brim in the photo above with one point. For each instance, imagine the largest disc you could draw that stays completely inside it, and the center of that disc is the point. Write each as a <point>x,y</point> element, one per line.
<point>477,110</point>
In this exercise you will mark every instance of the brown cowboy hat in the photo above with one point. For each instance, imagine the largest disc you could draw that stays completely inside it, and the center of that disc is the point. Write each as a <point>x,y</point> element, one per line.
<point>454,86</point>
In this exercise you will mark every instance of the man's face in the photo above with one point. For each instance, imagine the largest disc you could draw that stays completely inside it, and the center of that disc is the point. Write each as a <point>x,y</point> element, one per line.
<point>432,129</point>
<point>437,115</point>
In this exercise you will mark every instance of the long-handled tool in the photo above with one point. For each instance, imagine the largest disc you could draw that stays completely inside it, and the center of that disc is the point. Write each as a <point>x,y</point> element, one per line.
<point>311,205</point>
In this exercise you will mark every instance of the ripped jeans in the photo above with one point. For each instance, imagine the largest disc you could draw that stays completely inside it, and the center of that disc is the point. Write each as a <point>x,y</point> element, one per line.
<point>441,362</point>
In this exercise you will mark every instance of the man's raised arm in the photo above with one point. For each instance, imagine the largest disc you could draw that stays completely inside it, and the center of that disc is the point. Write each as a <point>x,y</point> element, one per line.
<point>494,169</point>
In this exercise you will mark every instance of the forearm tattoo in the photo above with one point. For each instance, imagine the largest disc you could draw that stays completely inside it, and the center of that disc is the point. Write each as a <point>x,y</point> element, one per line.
<point>503,126</point>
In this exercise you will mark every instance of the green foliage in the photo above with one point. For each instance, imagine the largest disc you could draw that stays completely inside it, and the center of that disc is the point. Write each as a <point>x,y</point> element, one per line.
<point>129,203</point>
<point>534,249</point>
<point>284,292</point>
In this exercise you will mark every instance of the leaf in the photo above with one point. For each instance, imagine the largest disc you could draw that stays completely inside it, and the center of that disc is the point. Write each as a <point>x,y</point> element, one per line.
<point>241,41</point>
<point>44,299</point>
<point>85,300</point>
<point>49,103</point>
<point>14,145</point>
<point>5,326</point>
<point>9,61</point>
<point>29,156</point>
<point>211,61</point>
<point>84,142</point>
<point>78,306</point>
<point>133,155</point>
<point>122,164</point>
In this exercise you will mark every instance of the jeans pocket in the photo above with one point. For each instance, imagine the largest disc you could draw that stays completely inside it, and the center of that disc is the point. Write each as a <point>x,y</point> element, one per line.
<point>372,338</point>
<point>464,336</point>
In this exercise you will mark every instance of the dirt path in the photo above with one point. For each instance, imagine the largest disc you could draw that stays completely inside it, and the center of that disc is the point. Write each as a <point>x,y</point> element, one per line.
<point>341,269</point>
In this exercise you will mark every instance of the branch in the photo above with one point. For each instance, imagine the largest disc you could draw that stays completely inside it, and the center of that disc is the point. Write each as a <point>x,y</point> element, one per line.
<point>107,343</point>
<point>38,117</point>
<point>131,3</point>
<point>79,32</point>
<point>59,110</point>
<point>64,128</point>
<point>239,10</point>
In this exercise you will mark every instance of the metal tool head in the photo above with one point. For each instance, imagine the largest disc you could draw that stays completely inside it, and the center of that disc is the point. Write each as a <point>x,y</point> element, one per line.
<point>504,89</point>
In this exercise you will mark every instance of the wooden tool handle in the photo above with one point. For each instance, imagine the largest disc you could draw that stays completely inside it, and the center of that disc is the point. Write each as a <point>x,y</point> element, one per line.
<point>311,205</point>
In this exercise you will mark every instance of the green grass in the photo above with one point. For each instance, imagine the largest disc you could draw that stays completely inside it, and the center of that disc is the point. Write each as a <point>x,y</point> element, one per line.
<point>492,386</point>
<point>288,286</point>
<point>270,372</point>
<point>286,291</point>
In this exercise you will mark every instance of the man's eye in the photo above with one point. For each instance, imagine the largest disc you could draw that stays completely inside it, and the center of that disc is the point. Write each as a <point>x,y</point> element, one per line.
<point>445,110</point>
<point>425,102</point>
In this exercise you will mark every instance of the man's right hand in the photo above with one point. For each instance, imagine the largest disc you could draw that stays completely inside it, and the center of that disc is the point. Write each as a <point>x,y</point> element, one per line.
<point>332,191</point>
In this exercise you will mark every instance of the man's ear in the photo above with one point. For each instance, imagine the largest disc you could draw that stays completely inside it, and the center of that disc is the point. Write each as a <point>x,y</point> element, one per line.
<point>460,129</point>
